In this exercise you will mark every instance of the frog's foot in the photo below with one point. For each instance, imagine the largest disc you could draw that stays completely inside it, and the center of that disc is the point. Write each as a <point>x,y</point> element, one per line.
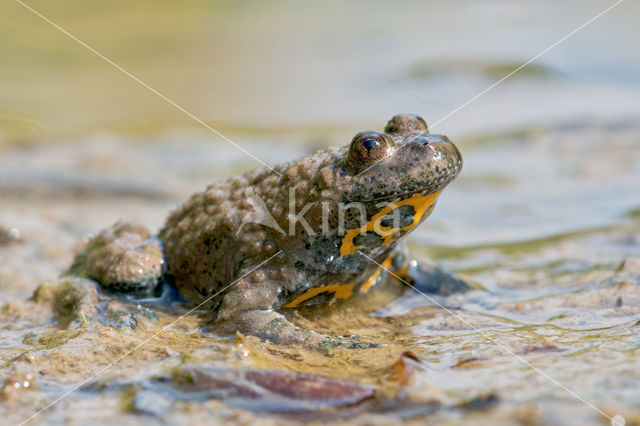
<point>124,258</point>
<point>274,327</point>
<point>435,280</point>
<point>427,278</point>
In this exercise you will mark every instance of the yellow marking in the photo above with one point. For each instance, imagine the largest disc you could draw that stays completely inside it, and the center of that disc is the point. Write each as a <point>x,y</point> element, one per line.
<point>367,285</point>
<point>84,318</point>
<point>420,203</point>
<point>340,291</point>
<point>372,279</point>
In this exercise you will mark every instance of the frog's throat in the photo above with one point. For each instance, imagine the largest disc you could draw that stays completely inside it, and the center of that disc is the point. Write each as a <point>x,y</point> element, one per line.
<point>423,206</point>
<point>340,291</point>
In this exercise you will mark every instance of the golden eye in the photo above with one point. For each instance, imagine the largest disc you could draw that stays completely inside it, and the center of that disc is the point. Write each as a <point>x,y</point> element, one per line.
<point>368,148</point>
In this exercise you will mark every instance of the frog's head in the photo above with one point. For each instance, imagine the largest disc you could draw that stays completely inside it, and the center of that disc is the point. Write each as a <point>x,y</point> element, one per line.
<point>397,175</point>
<point>402,161</point>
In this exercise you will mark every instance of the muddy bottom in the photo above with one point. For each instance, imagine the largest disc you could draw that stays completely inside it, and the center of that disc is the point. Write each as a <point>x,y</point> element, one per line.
<point>550,333</point>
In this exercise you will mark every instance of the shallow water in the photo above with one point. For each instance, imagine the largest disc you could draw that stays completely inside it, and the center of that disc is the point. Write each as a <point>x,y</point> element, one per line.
<point>544,220</point>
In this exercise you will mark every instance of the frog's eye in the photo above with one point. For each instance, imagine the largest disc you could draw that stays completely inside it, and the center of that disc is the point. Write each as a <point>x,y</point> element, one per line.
<point>368,148</point>
<point>406,123</point>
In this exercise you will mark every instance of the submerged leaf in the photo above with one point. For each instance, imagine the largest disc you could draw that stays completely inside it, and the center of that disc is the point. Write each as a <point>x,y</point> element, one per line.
<point>269,390</point>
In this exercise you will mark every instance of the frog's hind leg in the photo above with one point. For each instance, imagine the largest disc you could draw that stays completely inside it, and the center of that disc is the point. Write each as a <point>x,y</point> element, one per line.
<point>124,258</point>
<point>425,278</point>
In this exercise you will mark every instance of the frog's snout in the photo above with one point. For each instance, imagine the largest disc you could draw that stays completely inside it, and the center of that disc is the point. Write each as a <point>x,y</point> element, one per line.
<point>442,155</point>
<point>454,154</point>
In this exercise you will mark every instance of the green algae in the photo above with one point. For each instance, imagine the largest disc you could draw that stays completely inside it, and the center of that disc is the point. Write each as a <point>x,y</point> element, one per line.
<point>633,214</point>
<point>66,304</point>
<point>50,340</point>
<point>127,399</point>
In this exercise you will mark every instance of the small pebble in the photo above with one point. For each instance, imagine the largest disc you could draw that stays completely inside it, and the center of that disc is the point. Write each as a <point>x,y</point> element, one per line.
<point>625,284</point>
<point>150,402</point>
<point>9,235</point>
<point>27,357</point>
<point>15,383</point>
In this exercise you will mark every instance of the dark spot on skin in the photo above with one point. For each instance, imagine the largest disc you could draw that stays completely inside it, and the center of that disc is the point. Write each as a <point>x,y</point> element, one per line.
<point>324,248</point>
<point>368,239</point>
<point>401,216</point>
<point>299,266</point>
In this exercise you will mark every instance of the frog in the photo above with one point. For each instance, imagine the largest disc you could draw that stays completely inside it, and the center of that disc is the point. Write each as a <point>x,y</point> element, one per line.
<point>313,231</point>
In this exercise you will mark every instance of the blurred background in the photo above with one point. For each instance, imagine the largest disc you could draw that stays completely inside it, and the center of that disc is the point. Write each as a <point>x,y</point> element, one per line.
<point>284,64</point>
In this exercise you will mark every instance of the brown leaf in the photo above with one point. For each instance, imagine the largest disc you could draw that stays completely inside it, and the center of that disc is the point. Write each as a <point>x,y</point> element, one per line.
<point>271,390</point>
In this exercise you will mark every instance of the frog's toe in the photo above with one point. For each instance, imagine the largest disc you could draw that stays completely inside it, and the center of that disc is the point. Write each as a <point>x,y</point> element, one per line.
<point>125,259</point>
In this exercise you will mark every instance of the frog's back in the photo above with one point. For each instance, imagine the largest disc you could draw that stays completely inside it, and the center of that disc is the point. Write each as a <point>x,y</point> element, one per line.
<point>199,243</point>
<point>207,243</point>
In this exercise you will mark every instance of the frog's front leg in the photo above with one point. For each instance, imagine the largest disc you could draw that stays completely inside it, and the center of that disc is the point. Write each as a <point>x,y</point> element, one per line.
<point>425,278</point>
<point>124,258</point>
<point>248,307</point>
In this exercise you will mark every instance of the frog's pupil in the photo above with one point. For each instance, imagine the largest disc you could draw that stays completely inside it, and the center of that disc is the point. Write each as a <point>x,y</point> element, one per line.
<point>368,143</point>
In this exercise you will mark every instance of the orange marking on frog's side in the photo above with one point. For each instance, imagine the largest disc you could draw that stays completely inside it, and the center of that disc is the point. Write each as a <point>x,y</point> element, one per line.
<point>372,279</point>
<point>421,204</point>
<point>340,291</point>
